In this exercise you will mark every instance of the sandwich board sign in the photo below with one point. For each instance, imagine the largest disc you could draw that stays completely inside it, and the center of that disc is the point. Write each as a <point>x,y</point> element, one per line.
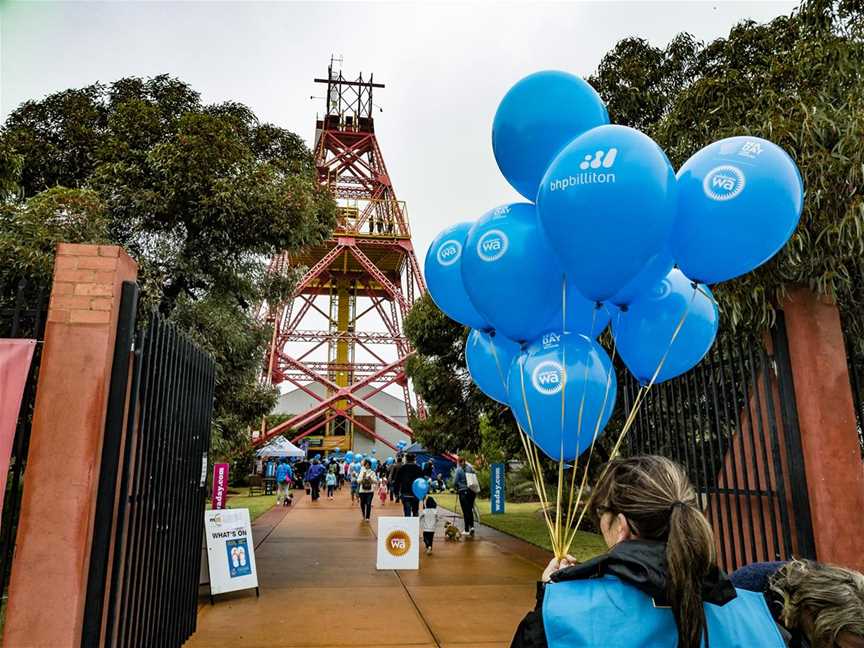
<point>230,551</point>
<point>398,543</point>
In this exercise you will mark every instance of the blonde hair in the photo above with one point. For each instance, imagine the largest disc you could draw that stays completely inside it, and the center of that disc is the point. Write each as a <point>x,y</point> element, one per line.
<point>659,503</point>
<point>832,596</point>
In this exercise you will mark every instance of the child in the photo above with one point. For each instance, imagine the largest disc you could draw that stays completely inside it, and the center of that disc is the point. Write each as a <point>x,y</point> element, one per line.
<point>330,480</point>
<point>428,519</point>
<point>354,486</point>
<point>383,489</point>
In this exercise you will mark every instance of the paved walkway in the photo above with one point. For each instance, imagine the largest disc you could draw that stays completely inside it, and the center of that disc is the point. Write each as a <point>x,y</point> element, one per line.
<point>320,587</point>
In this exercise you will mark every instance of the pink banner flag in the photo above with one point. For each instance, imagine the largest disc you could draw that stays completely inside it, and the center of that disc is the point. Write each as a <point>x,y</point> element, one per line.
<point>15,359</point>
<point>220,485</point>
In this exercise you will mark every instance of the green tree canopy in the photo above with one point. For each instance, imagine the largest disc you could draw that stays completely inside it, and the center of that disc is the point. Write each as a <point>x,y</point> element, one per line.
<point>200,195</point>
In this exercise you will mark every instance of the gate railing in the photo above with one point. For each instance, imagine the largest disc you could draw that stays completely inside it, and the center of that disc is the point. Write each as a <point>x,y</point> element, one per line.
<point>732,422</point>
<point>23,309</point>
<point>145,562</point>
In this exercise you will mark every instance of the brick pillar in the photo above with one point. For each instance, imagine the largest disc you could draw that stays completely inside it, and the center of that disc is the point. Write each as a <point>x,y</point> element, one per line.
<point>48,585</point>
<point>829,437</point>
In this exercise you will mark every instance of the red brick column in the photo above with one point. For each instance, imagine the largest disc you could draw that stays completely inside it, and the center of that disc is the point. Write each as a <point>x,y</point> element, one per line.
<point>826,414</point>
<point>49,574</point>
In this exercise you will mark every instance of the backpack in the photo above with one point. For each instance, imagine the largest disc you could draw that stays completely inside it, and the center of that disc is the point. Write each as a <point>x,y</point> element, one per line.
<point>366,481</point>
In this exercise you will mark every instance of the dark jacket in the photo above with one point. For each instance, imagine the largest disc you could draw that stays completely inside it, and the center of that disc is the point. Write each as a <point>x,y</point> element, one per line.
<point>405,478</point>
<point>638,569</point>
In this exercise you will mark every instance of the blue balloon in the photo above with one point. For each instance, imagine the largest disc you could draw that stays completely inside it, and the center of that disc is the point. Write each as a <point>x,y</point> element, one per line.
<point>739,202</point>
<point>443,270</point>
<point>537,118</point>
<point>374,462</point>
<point>510,273</point>
<point>356,467</point>
<point>420,488</point>
<point>653,272</point>
<point>644,331</point>
<point>607,206</point>
<point>488,359</point>
<point>336,450</point>
<point>582,315</point>
<point>390,461</point>
<point>349,456</point>
<point>564,366</point>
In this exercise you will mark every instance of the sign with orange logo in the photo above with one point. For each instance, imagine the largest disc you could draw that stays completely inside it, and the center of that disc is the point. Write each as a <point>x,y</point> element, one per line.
<point>398,539</point>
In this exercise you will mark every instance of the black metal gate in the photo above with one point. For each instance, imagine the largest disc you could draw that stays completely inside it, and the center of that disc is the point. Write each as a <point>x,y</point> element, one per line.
<point>145,561</point>
<point>733,423</point>
<point>23,308</point>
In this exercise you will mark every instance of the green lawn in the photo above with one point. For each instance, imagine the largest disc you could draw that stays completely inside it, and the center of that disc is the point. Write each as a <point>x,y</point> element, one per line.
<point>257,505</point>
<point>524,520</point>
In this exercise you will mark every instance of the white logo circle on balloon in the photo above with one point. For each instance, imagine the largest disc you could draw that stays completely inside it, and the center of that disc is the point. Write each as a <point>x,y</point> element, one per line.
<point>449,252</point>
<point>492,245</point>
<point>724,182</point>
<point>548,377</point>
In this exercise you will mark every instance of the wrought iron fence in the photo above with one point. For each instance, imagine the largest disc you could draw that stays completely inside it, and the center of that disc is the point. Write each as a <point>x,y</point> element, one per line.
<point>143,584</point>
<point>732,422</point>
<point>23,310</point>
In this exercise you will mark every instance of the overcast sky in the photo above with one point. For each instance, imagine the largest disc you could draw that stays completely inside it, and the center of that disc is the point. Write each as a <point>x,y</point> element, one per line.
<point>446,66</point>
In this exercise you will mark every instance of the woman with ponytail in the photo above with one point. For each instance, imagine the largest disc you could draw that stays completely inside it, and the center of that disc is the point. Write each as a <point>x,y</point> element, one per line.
<point>658,586</point>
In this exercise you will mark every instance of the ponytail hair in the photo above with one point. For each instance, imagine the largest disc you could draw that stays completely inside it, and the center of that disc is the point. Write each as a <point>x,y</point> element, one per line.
<point>655,496</point>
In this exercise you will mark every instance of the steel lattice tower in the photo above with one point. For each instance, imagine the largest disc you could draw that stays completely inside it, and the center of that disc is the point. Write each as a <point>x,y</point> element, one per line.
<point>367,270</point>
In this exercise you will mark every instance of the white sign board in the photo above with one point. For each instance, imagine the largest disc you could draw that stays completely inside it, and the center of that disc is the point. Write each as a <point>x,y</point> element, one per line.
<point>230,550</point>
<point>398,543</point>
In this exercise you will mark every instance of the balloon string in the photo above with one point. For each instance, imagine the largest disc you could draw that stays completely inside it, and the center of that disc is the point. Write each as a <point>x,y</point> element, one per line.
<point>540,483</point>
<point>637,404</point>
<point>564,380</point>
<point>571,506</point>
<point>579,417</point>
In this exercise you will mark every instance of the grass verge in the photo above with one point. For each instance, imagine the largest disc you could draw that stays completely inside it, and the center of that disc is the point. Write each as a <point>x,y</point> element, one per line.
<point>257,505</point>
<point>524,520</point>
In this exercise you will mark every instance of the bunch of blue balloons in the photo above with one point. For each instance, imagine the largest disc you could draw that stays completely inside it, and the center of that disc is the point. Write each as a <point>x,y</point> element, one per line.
<point>609,233</point>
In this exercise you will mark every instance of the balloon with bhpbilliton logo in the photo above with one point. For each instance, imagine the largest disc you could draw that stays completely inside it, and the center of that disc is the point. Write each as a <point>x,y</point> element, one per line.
<point>607,205</point>
<point>488,359</point>
<point>537,118</point>
<point>739,202</point>
<point>510,273</point>
<point>444,277</point>
<point>643,333</point>
<point>564,366</point>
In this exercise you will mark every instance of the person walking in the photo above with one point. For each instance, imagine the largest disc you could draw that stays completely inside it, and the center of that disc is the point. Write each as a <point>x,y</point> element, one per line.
<point>367,480</point>
<point>330,480</point>
<point>466,493</point>
<point>284,475</point>
<point>313,476</point>
<point>391,480</point>
<point>658,585</point>
<point>408,472</point>
<point>428,520</point>
<point>383,489</point>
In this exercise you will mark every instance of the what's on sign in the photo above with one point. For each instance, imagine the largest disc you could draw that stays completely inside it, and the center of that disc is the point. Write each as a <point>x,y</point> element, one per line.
<point>220,485</point>
<point>230,550</point>
<point>497,489</point>
<point>398,543</point>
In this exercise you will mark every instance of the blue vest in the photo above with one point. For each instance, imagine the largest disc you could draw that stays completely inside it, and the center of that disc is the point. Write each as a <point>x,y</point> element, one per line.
<point>606,612</point>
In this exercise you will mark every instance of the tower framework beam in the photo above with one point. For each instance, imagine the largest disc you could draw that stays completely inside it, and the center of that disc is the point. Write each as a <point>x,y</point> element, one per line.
<point>366,271</point>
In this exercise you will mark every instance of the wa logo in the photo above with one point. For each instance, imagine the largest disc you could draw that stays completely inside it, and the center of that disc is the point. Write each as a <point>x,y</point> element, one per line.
<point>449,252</point>
<point>724,182</point>
<point>601,158</point>
<point>548,377</point>
<point>492,245</point>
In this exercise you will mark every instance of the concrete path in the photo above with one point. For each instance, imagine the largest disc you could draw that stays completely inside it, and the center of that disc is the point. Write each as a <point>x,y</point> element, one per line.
<point>320,587</point>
